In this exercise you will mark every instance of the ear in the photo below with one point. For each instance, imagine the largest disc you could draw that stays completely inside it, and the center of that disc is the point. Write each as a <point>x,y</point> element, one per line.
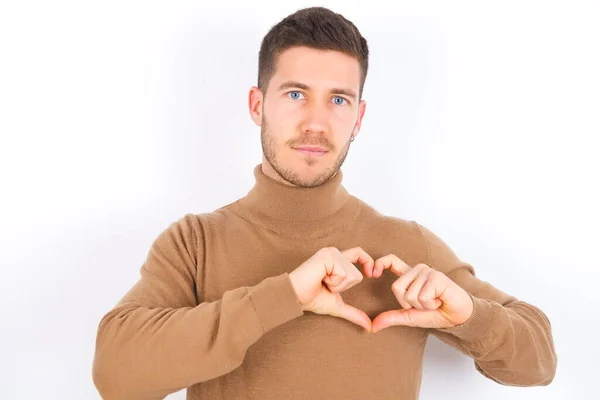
<point>362,106</point>
<point>255,105</point>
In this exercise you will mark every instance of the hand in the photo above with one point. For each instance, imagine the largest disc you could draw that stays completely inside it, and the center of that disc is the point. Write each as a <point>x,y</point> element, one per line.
<point>428,297</point>
<point>320,279</point>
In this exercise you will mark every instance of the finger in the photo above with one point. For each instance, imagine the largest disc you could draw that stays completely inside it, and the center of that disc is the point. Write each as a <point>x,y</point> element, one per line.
<point>391,262</point>
<point>378,268</point>
<point>428,296</point>
<point>353,315</point>
<point>413,292</point>
<point>358,255</point>
<point>401,285</point>
<point>386,319</point>
<point>334,282</point>
<point>344,277</point>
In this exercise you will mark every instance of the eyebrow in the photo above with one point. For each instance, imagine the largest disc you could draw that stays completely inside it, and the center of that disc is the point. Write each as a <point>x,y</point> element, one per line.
<point>303,86</point>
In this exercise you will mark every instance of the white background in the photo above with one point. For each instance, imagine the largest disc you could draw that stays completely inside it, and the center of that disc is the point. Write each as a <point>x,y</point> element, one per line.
<point>117,118</point>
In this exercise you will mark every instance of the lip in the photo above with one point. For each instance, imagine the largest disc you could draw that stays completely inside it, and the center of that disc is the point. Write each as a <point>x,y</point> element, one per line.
<point>311,150</point>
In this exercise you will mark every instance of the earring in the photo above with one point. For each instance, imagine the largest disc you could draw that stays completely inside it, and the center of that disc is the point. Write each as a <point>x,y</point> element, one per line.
<point>352,138</point>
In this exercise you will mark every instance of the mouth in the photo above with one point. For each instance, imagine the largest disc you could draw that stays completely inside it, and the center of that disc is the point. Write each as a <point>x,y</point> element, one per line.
<point>311,150</point>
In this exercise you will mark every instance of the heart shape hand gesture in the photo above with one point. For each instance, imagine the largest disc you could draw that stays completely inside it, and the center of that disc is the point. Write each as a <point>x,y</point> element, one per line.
<point>429,299</point>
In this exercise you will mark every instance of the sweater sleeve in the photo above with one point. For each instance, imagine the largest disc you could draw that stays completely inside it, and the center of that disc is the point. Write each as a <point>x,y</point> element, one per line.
<point>510,340</point>
<point>160,339</point>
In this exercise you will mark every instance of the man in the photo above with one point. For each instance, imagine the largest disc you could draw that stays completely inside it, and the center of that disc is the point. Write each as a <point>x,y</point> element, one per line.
<point>264,298</point>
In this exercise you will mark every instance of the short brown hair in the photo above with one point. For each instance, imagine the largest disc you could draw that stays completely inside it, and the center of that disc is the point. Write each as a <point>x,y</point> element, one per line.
<point>315,27</point>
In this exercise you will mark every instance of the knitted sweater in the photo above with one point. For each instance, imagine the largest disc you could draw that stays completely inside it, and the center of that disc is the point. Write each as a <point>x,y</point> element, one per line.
<point>214,310</point>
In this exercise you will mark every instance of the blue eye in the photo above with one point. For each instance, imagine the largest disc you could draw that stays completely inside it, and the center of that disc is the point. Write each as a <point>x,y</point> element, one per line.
<point>295,95</point>
<point>339,100</point>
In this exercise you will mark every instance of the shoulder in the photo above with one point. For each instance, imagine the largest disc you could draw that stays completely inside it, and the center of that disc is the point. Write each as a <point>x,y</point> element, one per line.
<point>373,221</point>
<point>196,226</point>
<point>410,234</point>
<point>388,234</point>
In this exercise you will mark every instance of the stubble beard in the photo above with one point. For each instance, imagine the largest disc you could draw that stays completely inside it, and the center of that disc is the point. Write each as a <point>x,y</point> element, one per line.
<point>269,150</point>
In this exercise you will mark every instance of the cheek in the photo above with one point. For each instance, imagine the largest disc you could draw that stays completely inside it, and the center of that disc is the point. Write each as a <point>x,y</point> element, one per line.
<point>284,117</point>
<point>343,120</point>
<point>287,109</point>
<point>282,123</point>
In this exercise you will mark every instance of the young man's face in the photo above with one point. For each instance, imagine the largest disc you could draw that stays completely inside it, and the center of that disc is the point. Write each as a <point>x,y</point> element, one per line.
<point>308,115</point>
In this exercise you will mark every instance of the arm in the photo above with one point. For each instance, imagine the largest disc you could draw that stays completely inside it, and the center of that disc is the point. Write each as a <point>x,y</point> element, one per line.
<point>510,340</point>
<point>160,338</point>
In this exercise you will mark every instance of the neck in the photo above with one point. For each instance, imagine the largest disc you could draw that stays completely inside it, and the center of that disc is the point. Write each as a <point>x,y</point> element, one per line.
<point>297,211</point>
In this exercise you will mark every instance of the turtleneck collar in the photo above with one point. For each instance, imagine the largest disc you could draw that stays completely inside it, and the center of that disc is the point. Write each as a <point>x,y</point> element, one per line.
<point>298,211</point>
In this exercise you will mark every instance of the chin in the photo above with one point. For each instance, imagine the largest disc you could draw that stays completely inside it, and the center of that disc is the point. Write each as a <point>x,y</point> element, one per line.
<point>307,175</point>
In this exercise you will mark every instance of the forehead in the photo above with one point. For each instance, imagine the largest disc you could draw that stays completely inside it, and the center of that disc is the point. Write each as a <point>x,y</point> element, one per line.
<point>317,68</point>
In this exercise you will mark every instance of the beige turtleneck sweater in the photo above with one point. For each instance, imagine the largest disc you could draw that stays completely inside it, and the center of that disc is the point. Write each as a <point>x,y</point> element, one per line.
<point>214,310</point>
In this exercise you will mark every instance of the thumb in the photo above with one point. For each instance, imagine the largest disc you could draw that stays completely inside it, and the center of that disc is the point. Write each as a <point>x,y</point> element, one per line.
<point>411,317</point>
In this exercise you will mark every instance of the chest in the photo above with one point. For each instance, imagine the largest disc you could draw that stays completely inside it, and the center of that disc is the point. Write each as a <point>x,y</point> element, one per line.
<point>246,255</point>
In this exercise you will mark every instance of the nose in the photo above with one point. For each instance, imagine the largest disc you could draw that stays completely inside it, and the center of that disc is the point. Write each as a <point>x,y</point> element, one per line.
<point>315,119</point>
